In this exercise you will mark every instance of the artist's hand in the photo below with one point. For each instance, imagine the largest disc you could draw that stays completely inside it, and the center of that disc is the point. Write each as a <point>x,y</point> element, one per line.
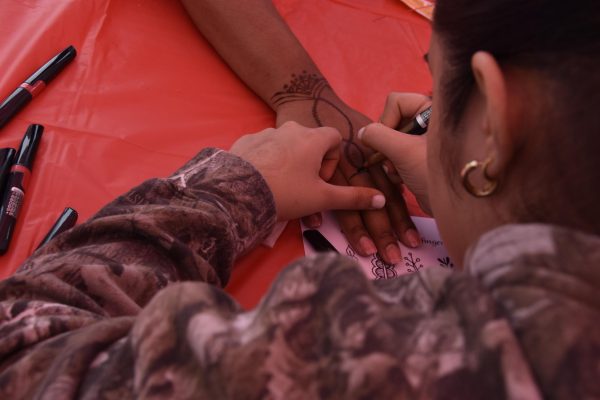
<point>296,163</point>
<point>407,153</point>
<point>367,231</point>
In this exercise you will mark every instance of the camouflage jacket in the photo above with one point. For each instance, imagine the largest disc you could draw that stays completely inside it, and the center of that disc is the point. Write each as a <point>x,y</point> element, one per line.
<point>130,305</point>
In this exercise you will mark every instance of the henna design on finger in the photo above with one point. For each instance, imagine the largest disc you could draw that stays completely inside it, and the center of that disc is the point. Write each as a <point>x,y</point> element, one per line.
<point>350,252</point>
<point>309,87</point>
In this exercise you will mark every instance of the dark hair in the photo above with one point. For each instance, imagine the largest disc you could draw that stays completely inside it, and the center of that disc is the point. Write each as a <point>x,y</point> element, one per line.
<point>560,42</point>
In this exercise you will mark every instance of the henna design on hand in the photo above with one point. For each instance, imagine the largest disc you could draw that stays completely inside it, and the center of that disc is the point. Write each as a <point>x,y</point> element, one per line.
<point>309,87</point>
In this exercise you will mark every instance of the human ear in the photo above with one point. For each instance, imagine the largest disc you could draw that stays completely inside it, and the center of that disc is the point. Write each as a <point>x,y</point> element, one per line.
<point>492,86</point>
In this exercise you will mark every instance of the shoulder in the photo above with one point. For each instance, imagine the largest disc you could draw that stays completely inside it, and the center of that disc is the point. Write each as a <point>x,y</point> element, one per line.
<point>546,282</point>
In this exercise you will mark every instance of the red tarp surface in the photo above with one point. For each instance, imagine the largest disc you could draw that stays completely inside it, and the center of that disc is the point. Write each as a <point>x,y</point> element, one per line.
<point>146,92</point>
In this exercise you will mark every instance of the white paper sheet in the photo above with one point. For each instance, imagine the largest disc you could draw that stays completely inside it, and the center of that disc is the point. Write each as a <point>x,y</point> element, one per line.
<point>274,235</point>
<point>431,253</point>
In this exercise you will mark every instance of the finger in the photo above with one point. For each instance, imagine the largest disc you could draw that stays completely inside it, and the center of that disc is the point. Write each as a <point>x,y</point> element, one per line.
<point>399,106</point>
<point>377,222</point>
<point>325,138</point>
<point>353,228</point>
<point>381,231</point>
<point>393,144</point>
<point>397,210</point>
<point>329,163</point>
<point>351,198</point>
<point>326,141</point>
<point>396,216</point>
<point>313,221</point>
<point>351,224</point>
<point>391,173</point>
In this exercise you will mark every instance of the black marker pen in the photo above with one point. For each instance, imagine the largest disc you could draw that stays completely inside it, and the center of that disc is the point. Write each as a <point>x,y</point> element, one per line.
<point>34,84</point>
<point>17,184</point>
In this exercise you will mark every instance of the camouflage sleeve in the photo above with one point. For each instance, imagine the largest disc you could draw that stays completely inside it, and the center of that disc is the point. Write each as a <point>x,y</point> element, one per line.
<point>102,312</point>
<point>190,226</point>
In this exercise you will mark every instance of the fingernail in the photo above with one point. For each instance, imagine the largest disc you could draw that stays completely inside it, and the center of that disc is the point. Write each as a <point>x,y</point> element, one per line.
<point>361,131</point>
<point>393,253</point>
<point>314,221</point>
<point>386,169</point>
<point>413,237</point>
<point>378,201</point>
<point>367,245</point>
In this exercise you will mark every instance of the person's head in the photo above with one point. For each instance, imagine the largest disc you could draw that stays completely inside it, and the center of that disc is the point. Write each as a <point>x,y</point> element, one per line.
<point>517,83</point>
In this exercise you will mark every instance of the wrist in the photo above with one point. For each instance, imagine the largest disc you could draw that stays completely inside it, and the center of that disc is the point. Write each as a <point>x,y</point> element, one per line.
<point>326,110</point>
<point>301,92</point>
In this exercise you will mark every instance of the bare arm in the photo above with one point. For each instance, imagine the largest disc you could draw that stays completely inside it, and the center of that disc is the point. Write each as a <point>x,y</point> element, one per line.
<point>254,40</point>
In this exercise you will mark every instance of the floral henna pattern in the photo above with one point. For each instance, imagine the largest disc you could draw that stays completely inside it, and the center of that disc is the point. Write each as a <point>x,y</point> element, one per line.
<point>309,87</point>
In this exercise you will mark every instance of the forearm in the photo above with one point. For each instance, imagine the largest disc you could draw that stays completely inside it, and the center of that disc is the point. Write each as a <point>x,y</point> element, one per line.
<point>254,41</point>
<point>86,287</point>
<point>190,226</point>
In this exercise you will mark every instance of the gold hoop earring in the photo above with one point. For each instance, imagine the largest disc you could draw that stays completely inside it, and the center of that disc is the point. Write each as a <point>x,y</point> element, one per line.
<point>490,186</point>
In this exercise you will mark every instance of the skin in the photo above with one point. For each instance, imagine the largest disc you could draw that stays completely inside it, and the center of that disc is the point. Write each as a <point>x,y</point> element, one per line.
<point>307,158</point>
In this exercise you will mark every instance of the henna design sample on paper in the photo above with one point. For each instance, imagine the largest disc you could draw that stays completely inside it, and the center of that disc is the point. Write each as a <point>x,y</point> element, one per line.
<point>381,269</point>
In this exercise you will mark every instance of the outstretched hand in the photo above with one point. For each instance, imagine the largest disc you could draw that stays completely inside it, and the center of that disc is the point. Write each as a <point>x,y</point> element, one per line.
<point>368,231</point>
<point>296,162</point>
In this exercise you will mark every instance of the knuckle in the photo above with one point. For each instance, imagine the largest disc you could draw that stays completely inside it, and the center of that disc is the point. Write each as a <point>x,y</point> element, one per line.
<point>372,127</point>
<point>392,97</point>
<point>357,197</point>
<point>367,130</point>
<point>248,137</point>
<point>402,221</point>
<point>313,131</point>
<point>290,124</point>
<point>325,130</point>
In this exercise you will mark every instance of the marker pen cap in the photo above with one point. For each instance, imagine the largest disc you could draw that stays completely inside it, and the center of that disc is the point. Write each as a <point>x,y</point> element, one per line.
<point>49,70</point>
<point>29,146</point>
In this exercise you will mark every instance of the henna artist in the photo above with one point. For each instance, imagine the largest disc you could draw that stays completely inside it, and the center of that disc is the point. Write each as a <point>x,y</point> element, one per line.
<point>257,44</point>
<point>129,304</point>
